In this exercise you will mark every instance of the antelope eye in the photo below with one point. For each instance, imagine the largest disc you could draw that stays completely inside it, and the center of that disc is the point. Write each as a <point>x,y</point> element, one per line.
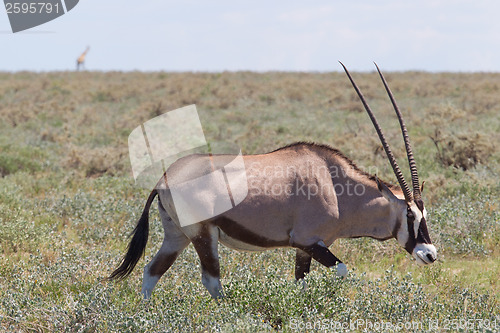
<point>410,215</point>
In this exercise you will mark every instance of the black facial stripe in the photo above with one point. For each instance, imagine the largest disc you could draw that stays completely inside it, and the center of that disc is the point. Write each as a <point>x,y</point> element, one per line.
<point>423,233</point>
<point>411,242</point>
<point>411,229</point>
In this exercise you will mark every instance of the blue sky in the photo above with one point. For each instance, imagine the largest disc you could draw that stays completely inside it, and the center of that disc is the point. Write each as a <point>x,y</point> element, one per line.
<point>219,35</point>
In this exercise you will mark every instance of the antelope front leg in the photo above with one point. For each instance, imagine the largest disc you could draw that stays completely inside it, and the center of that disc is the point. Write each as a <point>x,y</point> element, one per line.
<point>319,252</point>
<point>302,264</point>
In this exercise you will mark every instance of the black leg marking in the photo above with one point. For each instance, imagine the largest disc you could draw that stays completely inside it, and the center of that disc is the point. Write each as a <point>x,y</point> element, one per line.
<point>161,263</point>
<point>321,254</point>
<point>204,246</point>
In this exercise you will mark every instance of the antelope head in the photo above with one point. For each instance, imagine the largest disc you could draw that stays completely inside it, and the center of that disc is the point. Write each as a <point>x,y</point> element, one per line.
<point>411,226</point>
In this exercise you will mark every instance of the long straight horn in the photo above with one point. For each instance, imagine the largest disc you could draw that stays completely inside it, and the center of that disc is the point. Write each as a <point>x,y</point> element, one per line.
<point>411,160</point>
<point>392,159</point>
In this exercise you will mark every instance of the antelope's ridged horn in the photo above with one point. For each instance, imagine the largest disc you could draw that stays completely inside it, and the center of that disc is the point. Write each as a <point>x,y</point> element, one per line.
<point>392,159</point>
<point>411,160</point>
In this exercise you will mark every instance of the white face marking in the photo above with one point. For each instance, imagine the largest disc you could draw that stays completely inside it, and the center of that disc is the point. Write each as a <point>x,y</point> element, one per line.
<point>418,218</point>
<point>403,233</point>
<point>422,252</point>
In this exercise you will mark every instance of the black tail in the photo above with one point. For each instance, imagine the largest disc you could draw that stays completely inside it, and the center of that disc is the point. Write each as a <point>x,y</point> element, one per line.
<point>137,244</point>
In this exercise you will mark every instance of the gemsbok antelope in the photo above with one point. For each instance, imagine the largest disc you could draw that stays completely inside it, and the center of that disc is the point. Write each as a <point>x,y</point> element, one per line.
<point>303,196</point>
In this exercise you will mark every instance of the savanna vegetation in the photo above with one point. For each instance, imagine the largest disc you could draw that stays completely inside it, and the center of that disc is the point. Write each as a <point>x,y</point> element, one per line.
<point>68,202</point>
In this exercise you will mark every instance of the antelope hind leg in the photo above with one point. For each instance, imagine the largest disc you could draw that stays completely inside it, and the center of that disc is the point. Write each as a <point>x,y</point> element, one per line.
<point>174,242</point>
<point>206,243</point>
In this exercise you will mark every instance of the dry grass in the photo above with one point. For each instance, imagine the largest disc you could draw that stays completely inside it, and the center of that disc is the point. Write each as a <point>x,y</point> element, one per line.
<point>85,118</point>
<point>67,199</point>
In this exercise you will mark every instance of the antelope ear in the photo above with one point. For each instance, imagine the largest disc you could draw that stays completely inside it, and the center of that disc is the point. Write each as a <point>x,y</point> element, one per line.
<point>422,187</point>
<point>385,191</point>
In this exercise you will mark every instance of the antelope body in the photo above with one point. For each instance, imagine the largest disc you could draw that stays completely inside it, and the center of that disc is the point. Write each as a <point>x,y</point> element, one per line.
<point>303,196</point>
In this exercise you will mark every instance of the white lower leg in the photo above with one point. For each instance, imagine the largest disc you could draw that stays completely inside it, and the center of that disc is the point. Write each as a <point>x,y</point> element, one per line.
<point>148,283</point>
<point>341,270</point>
<point>213,285</point>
